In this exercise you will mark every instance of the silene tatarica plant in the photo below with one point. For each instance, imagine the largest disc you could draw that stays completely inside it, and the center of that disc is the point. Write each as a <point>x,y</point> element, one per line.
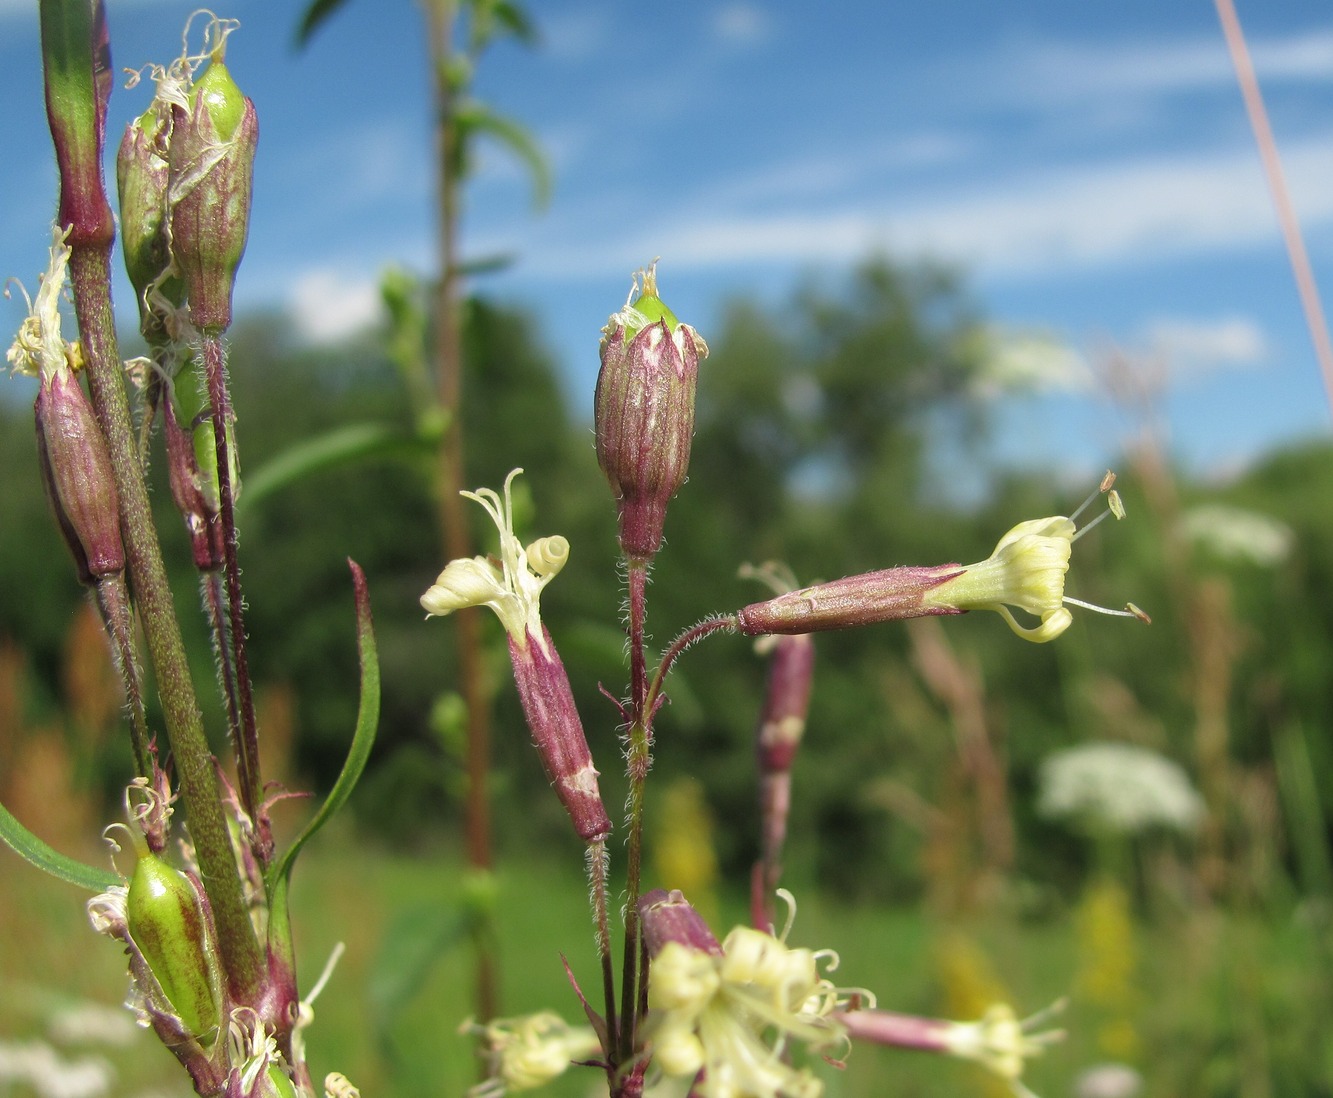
<point>201,909</point>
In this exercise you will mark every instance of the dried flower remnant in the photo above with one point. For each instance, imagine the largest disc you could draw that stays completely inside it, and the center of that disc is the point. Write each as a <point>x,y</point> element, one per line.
<point>512,586</point>
<point>75,462</point>
<point>163,918</point>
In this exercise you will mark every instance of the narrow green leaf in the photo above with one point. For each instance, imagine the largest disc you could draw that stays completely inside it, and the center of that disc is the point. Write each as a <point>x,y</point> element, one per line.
<point>315,16</point>
<point>486,264</point>
<point>32,849</point>
<point>476,117</point>
<point>516,22</point>
<point>363,739</point>
<point>342,446</point>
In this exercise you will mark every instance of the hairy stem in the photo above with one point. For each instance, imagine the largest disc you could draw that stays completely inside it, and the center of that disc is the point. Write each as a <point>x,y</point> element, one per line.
<point>597,866</point>
<point>247,738</point>
<point>638,759</point>
<point>113,601</point>
<point>91,275</point>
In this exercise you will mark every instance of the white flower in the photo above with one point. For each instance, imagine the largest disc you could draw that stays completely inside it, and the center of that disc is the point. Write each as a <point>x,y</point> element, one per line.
<point>1119,787</point>
<point>1002,1044</point>
<point>732,1016</point>
<point>529,1051</point>
<point>1027,571</point>
<point>1236,534</point>
<point>511,586</point>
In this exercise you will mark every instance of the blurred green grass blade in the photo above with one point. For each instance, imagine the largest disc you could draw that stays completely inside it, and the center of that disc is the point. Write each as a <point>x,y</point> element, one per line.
<point>34,851</point>
<point>416,937</point>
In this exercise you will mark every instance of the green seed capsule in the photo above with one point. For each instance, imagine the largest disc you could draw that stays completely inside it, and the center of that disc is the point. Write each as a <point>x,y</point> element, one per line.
<point>167,923</point>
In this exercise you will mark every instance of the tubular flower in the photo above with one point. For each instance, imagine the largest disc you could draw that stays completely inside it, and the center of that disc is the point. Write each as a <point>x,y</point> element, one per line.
<point>726,1015</point>
<point>997,1041</point>
<point>529,1051</point>
<point>512,587</point>
<point>1027,570</point>
<point>1003,1044</point>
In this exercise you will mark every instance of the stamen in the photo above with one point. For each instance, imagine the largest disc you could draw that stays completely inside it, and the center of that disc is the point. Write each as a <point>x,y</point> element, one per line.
<point>1106,610</point>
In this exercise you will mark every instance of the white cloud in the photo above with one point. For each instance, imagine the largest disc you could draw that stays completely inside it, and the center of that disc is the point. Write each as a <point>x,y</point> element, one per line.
<point>741,24</point>
<point>575,36</point>
<point>327,306</point>
<point>1195,347</point>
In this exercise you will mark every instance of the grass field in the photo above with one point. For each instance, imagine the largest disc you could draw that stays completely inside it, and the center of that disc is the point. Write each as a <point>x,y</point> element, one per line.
<point>1209,1004</point>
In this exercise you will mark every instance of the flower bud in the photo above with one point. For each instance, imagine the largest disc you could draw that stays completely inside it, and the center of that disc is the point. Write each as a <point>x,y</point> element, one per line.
<point>189,495</point>
<point>169,926</point>
<point>211,156</point>
<point>76,470</point>
<point>141,180</point>
<point>644,412</point>
<point>669,917</point>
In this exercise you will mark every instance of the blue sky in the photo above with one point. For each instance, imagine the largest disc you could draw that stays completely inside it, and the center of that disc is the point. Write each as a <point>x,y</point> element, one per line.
<point>1089,166</point>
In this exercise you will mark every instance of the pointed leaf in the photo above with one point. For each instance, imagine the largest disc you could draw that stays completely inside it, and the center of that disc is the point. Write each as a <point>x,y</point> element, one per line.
<point>32,849</point>
<point>473,118</point>
<point>486,264</point>
<point>342,446</point>
<point>363,739</point>
<point>315,16</point>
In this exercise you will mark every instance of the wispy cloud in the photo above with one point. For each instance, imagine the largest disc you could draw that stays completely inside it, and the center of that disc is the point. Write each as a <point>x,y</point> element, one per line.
<point>1101,215</point>
<point>1192,347</point>
<point>1068,72</point>
<point>741,25</point>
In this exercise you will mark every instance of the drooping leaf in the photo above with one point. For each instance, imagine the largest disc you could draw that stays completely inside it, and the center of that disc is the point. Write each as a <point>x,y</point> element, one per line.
<point>33,850</point>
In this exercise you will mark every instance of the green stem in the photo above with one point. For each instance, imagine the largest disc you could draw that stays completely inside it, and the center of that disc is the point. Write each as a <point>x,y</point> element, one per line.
<point>91,276</point>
